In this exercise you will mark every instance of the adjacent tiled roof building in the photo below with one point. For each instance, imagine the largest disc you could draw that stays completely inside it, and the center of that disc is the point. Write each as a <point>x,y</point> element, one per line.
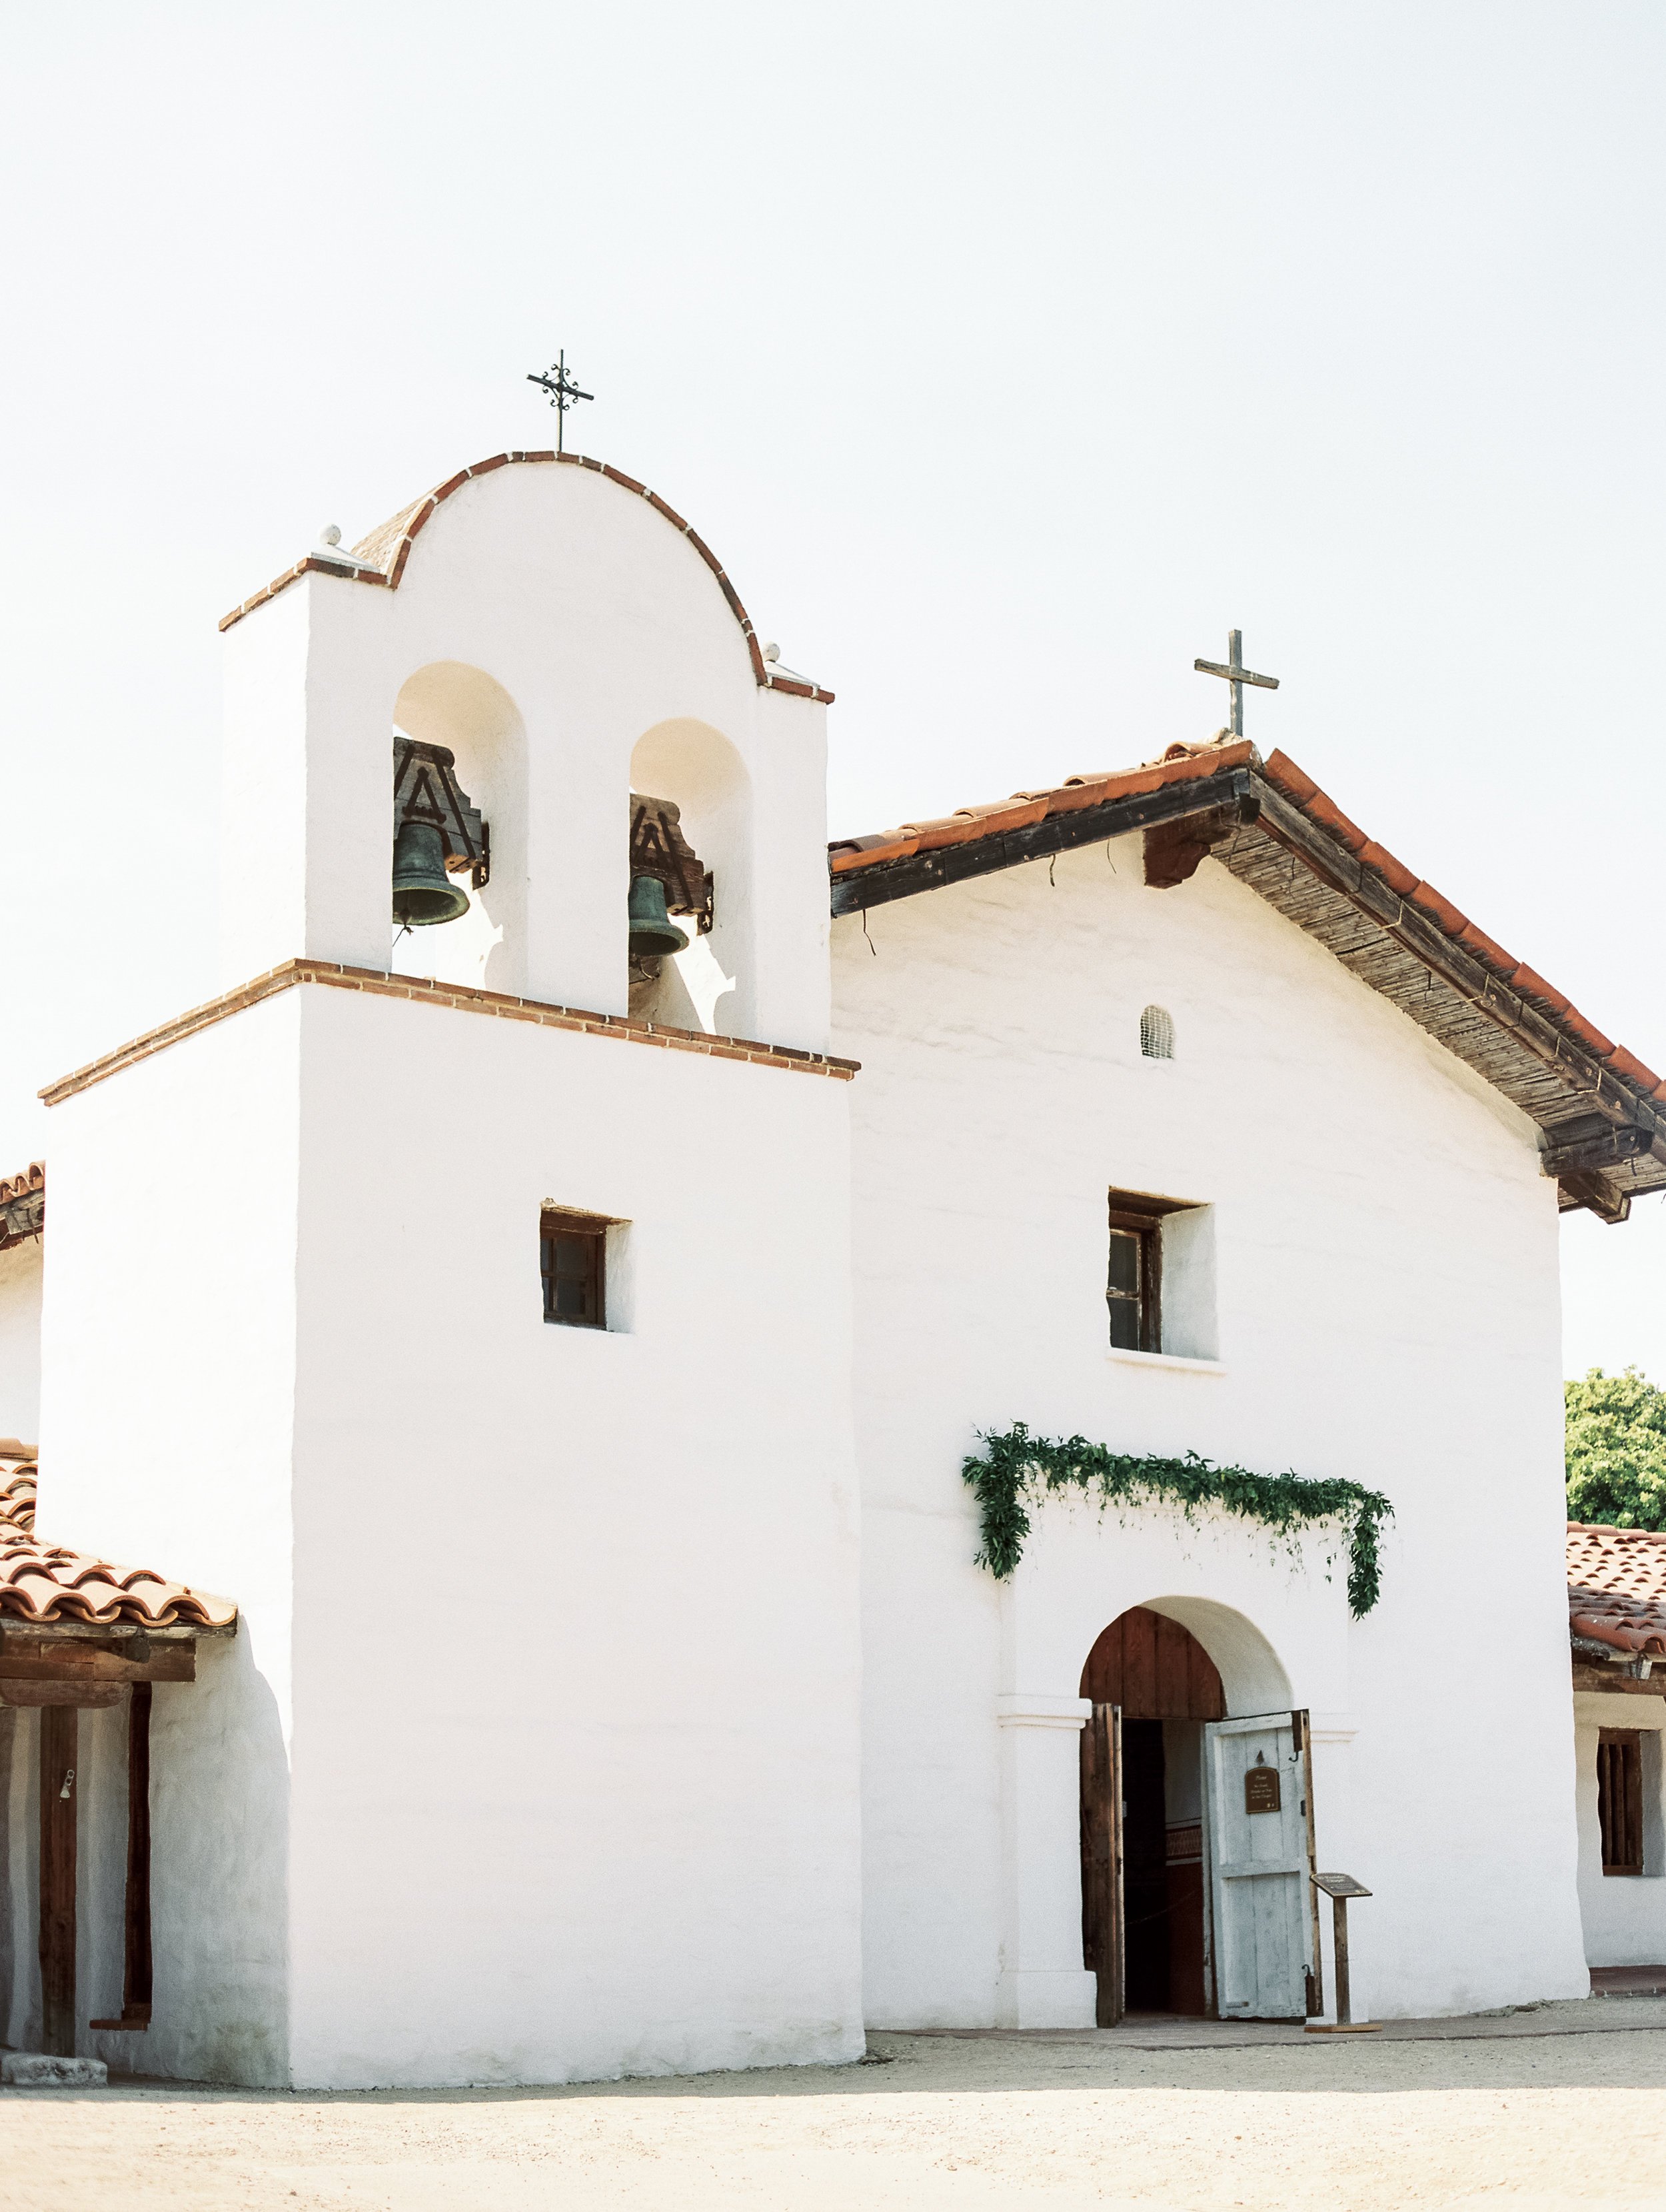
<point>22,1205</point>
<point>1616,1588</point>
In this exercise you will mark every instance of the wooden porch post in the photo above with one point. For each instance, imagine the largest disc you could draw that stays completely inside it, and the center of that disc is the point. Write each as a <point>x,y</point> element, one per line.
<point>136,1948</point>
<point>60,1735</point>
<point>135,1973</point>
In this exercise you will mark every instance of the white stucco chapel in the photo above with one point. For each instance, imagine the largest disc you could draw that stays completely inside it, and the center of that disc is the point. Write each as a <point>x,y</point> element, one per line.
<point>630,1662</point>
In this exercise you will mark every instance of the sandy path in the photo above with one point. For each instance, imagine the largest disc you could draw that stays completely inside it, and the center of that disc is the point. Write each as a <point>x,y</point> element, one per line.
<point>1528,2125</point>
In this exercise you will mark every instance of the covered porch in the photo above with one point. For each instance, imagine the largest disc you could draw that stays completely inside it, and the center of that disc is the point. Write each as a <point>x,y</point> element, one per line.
<point>84,1645</point>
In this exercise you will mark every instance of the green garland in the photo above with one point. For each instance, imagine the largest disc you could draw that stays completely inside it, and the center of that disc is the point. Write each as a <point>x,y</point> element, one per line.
<point>1017,1465</point>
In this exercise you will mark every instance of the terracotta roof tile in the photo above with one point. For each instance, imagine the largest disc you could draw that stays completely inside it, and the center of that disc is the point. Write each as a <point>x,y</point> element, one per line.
<point>42,1583</point>
<point>1628,1065</point>
<point>22,1205</point>
<point>968,823</point>
<point>1616,1586</point>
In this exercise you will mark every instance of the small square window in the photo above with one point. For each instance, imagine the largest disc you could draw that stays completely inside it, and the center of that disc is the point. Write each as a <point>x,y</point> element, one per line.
<point>1139,1224</point>
<point>572,1250</point>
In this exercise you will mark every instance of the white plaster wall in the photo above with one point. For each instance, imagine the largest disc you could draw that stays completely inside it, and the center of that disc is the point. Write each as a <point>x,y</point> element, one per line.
<point>1624,1915</point>
<point>600,622</point>
<point>20,1272</point>
<point>1384,1255</point>
<point>563,1781</point>
<point>167,1407</point>
<point>575,1748</point>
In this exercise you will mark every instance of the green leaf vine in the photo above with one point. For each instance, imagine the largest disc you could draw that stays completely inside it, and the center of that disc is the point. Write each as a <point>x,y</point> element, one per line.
<point>1016,1465</point>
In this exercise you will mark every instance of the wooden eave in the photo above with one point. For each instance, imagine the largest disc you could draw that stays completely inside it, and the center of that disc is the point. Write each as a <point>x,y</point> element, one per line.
<point>1603,1142</point>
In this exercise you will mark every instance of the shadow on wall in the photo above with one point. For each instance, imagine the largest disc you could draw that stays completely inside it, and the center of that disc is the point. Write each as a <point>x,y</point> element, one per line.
<point>709,986</point>
<point>449,703</point>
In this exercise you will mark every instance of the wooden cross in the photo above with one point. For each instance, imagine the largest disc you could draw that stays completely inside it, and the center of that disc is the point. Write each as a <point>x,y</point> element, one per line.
<point>1237,675</point>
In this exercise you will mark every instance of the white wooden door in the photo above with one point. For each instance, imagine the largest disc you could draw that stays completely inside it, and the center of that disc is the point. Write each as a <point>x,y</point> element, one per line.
<point>1256,1778</point>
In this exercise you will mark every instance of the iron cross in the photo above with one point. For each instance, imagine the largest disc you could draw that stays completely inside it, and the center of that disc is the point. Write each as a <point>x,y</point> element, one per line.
<point>1237,675</point>
<point>562,390</point>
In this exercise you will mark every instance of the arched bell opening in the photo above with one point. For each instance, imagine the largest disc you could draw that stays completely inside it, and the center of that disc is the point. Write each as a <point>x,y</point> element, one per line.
<point>1156,1677</point>
<point>691,880</point>
<point>461,711</point>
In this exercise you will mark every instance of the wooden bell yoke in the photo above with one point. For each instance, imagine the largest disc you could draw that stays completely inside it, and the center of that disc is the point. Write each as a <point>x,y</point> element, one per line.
<point>77,1632</point>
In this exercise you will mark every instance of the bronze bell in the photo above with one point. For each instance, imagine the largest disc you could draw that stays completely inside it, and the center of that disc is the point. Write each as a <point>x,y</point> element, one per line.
<point>651,929</point>
<point>423,892</point>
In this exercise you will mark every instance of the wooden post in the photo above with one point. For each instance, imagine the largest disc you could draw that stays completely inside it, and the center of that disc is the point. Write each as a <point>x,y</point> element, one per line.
<point>1339,1888</point>
<point>58,1740</point>
<point>1339,1928</point>
<point>135,1972</point>
<point>135,1961</point>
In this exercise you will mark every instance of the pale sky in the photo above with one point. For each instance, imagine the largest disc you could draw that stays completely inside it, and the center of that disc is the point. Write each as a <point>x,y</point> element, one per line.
<point>1005,357</point>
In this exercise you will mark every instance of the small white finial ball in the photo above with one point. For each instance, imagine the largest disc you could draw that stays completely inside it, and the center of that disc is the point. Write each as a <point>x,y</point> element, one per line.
<point>331,534</point>
<point>772,653</point>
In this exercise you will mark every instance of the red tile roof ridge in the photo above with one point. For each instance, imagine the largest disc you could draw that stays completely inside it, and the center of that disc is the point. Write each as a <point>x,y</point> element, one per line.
<point>31,1178</point>
<point>42,1584</point>
<point>380,557</point>
<point>968,823</point>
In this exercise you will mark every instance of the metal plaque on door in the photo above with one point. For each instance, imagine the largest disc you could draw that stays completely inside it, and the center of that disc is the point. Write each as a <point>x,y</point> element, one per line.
<point>1260,1790</point>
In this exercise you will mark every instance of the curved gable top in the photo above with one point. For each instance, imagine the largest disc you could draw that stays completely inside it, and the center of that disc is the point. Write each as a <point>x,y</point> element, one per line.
<point>381,558</point>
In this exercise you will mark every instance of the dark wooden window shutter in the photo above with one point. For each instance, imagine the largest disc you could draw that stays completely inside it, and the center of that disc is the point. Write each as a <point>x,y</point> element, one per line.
<point>1133,1277</point>
<point>1619,1799</point>
<point>572,1262</point>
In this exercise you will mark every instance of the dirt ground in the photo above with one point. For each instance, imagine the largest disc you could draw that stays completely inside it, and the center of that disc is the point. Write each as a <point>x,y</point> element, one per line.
<point>1529,2123</point>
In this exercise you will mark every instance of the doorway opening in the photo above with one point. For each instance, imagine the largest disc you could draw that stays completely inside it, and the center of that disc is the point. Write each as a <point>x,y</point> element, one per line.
<point>1165,1686</point>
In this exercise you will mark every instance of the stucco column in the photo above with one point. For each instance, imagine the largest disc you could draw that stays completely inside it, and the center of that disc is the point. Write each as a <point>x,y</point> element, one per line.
<point>1043,1983</point>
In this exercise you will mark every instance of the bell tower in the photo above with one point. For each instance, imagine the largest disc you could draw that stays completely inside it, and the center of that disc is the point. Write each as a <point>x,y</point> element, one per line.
<point>489,1344</point>
<point>570,643</point>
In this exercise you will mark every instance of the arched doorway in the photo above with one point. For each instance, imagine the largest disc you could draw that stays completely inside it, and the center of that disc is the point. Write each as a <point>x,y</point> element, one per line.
<point>1166,1686</point>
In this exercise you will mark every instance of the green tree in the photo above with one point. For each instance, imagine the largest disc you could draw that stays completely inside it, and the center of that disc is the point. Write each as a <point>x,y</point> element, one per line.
<point>1616,1450</point>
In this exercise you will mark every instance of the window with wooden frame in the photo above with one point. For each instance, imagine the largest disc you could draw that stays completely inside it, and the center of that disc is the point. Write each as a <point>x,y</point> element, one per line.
<point>1133,1276</point>
<point>572,1256</point>
<point>1619,1799</point>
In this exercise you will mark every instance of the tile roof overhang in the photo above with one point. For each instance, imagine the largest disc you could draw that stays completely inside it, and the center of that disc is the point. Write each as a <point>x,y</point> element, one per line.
<point>22,1205</point>
<point>48,1586</point>
<point>1602,1112</point>
<point>1616,1589</point>
<point>379,559</point>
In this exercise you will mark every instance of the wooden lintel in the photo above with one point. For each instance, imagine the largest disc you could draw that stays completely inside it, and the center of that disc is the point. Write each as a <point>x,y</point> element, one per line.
<point>1609,1148</point>
<point>43,1659</point>
<point>116,1634</point>
<point>1040,841</point>
<point>85,1692</point>
<point>1607,1679</point>
<point>1175,850</point>
<point>1596,1195</point>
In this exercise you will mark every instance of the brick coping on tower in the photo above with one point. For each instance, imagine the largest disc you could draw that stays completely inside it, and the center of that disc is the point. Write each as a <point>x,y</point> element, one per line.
<point>466,998</point>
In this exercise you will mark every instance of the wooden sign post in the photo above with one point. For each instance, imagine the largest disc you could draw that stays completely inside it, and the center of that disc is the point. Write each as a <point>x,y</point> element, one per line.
<point>1339,1888</point>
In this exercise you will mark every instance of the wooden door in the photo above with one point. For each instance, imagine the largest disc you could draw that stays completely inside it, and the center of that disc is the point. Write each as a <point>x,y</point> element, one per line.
<point>1103,1916</point>
<point>1257,1804</point>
